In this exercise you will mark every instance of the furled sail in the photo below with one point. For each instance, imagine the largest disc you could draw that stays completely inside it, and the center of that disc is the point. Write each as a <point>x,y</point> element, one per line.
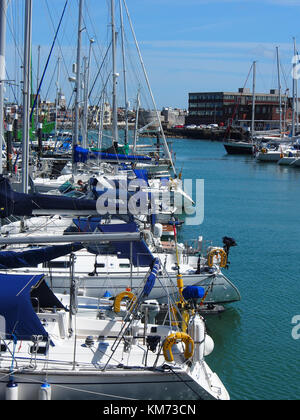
<point>20,204</point>
<point>36,256</point>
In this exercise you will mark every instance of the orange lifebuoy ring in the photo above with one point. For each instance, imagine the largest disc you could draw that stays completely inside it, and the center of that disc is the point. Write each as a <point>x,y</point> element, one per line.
<point>171,340</point>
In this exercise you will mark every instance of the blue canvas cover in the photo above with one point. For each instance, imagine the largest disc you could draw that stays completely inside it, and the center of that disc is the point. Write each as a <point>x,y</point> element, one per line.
<point>141,174</point>
<point>20,204</point>
<point>151,278</point>
<point>87,225</point>
<point>33,257</point>
<point>16,307</point>
<point>141,255</point>
<point>82,155</point>
<point>193,292</point>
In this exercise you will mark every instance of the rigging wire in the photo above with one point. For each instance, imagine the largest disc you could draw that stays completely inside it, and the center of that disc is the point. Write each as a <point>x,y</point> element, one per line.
<point>47,63</point>
<point>63,35</point>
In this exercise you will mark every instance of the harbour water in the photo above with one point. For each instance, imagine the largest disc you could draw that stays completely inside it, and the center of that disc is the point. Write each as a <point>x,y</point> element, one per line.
<point>259,206</point>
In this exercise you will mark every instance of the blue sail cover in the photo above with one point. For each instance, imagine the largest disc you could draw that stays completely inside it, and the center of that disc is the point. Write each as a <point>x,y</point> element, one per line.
<point>141,255</point>
<point>33,257</point>
<point>82,155</point>
<point>16,308</point>
<point>141,174</point>
<point>151,278</point>
<point>20,204</point>
<point>87,225</point>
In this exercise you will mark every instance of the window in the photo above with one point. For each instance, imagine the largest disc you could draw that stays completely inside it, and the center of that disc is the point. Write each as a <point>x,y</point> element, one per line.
<point>58,264</point>
<point>124,265</point>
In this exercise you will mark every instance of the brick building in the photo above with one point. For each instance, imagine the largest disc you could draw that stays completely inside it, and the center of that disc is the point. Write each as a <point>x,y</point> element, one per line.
<point>224,107</point>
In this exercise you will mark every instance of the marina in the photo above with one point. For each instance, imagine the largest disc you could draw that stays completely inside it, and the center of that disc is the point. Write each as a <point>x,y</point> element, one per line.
<point>258,204</point>
<point>147,253</point>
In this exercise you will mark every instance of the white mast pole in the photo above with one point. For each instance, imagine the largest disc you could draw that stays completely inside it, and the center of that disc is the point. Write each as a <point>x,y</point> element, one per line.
<point>115,77</point>
<point>279,88</point>
<point>253,101</point>
<point>124,74</point>
<point>57,95</point>
<point>26,94</point>
<point>294,90</point>
<point>86,94</point>
<point>77,88</point>
<point>136,122</point>
<point>3,9</point>
<point>37,89</point>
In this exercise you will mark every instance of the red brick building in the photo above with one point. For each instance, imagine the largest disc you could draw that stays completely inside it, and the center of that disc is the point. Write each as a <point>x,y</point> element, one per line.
<point>236,107</point>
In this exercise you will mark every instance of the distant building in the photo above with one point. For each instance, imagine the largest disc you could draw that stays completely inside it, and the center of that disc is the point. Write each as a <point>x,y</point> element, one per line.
<point>173,117</point>
<point>169,117</point>
<point>148,118</point>
<point>236,108</point>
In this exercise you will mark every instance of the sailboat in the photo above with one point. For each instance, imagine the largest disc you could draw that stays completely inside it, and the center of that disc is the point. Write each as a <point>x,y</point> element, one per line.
<point>49,353</point>
<point>237,147</point>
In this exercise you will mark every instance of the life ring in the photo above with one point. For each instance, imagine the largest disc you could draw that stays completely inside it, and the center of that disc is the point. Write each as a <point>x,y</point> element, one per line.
<point>217,252</point>
<point>264,151</point>
<point>120,297</point>
<point>171,340</point>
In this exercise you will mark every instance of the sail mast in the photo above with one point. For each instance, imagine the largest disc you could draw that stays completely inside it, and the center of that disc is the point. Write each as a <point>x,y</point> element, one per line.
<point>115,77</point>
<point>86,93</point>
<point>37,89</point>
<point>77,88</point>
<point>3,9</point>
<point>279,88</point>
<point>124,74</point>
<point>26,95</point>
<point>253,101</point>
<point>57,96</point>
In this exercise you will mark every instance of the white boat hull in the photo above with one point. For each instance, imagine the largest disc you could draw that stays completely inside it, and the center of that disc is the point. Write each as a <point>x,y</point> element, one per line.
<point>268,157</point>
<point>295,163</point>
<point>221,290</point>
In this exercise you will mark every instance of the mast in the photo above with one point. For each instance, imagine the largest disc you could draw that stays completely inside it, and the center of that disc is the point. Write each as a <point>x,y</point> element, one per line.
<point>37,88</point>
<point>3,9</point>
<point>253,101</point>
<point>124,74</point>
<point>294,90</point>
<point>77,88</point>
<point>136,122</point>
<point>86,92</point>
<point>101,119</point>
<point>26,94</point>
<point>296,93</point>
<point>279,88</point>
<point>115,77</point>
<point>57,94</point>
<point>84,113</point>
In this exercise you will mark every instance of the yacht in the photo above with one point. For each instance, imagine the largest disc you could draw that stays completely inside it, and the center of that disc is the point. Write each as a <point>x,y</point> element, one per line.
<point>116,267</point>
<point>49,353</point>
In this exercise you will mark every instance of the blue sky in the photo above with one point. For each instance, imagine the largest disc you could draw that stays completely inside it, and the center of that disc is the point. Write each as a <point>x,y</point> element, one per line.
<point>187,45</point>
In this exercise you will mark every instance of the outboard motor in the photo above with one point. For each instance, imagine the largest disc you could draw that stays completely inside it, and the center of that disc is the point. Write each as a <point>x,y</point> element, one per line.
<point>228,243</point>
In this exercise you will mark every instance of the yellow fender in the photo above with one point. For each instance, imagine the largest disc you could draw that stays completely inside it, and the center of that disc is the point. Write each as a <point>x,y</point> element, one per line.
<point>120,297</point>
<point>171,340</point>
<point>217,252</point>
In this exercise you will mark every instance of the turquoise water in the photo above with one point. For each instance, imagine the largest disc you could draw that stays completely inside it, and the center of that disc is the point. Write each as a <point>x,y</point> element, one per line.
<point>259,206</point>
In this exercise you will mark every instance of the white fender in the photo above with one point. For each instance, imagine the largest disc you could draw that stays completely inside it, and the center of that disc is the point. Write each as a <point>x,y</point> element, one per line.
<point>45,392</point>
<point>12,391</point>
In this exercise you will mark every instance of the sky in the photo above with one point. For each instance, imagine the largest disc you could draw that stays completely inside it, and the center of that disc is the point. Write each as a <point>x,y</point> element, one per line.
<point>186,45</point>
